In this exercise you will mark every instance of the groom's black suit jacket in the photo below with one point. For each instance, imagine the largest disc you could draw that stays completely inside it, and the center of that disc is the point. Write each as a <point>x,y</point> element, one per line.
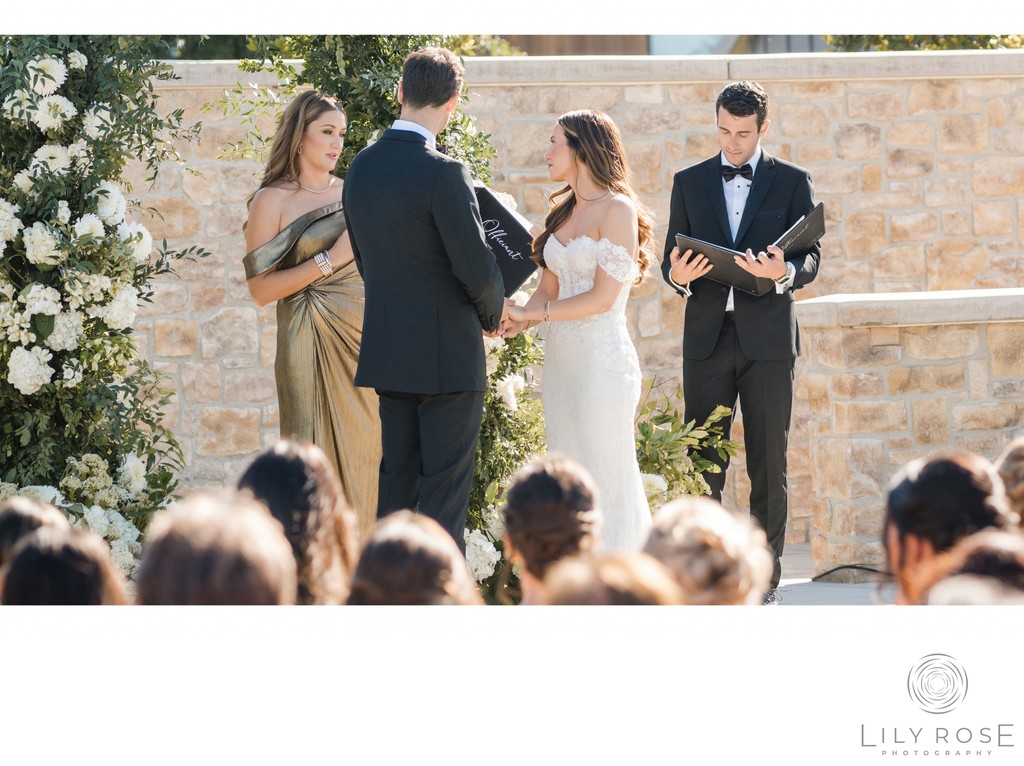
<point>431,281</point>
<point>780,193</point>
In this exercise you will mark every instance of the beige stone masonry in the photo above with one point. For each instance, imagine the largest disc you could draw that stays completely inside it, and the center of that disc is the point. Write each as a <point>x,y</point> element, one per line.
<point>917,157</point>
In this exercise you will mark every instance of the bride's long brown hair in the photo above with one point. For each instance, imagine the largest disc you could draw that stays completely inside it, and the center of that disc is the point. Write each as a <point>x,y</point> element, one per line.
<point>283,163</point>
<point>595,141</point>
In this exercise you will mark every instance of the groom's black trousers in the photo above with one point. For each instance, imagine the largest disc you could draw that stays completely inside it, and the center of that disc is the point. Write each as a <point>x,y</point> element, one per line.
<point>765,391</point>
<point>429,453</point>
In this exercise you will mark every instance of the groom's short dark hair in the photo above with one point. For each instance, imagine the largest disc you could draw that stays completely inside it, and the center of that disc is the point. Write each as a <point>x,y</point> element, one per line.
<point>430,77</point>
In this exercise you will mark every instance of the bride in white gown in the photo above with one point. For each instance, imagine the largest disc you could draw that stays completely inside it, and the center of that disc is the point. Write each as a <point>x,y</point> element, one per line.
<point>595,245</point>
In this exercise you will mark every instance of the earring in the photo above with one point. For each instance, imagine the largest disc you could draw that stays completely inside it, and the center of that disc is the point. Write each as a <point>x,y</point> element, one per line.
<point>300,149</point>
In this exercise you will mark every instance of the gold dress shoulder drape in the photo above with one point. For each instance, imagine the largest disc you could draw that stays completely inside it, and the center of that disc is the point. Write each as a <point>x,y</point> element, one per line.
<point>319,329</point>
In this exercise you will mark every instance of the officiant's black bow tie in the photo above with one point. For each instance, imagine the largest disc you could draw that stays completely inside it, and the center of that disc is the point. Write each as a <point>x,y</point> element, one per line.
<point>729,172</point>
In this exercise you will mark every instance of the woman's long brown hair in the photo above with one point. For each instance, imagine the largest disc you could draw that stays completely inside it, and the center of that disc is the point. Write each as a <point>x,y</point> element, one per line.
<point>595,141</point>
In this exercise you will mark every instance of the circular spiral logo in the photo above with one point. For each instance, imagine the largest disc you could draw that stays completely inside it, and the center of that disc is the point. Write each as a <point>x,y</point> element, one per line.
<point>937,683</point>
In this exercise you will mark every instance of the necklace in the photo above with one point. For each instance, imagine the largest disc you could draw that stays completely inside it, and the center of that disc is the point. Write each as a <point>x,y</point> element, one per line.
<point>594,199</point>
<point>318,191</point>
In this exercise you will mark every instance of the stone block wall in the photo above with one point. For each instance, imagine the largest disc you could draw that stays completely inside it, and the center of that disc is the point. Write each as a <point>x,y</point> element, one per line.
<point>891,377</point>
<point>916,156</point>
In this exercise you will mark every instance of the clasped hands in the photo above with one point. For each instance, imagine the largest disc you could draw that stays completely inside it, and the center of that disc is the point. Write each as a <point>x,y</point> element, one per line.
<point>507,326</point>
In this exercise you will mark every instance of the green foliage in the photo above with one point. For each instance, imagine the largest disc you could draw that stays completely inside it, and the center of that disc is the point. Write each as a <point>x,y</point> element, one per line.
<point>92,395</point>
<point>855,43</point>
<point>362,72</point>
<point>667,446</point>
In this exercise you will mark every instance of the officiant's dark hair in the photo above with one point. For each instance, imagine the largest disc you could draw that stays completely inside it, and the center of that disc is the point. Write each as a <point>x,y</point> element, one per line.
<point>283,161</point>
<point>742,99</point>
<point>595,141</point>
<point>430,77</point>
<point>550,513</point>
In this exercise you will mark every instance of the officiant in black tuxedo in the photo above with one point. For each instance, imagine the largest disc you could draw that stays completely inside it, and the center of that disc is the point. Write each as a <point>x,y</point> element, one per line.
<point>432,287</point>
<point>736,344</point>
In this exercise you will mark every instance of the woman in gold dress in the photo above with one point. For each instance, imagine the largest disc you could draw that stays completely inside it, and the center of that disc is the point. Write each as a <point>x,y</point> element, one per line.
<point>299,255</point>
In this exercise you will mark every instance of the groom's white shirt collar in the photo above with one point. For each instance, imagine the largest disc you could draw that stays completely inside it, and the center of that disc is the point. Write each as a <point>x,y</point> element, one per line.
<point>415,127</point>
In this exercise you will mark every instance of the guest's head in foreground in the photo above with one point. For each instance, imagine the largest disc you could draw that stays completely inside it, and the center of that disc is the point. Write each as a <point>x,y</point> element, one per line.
<point>586,153</point>
<point>409,559</point>
<point>718,557</point>
<point>935,502</point>
<point>302,490</point>
<point>306,141</point>
<point>984,568</point>
<point>1010,466</point>
<point>621,579</point>
<point>58,565</point>
<point>21,516</point>
<point>551,513</point>
<point>219,549</point>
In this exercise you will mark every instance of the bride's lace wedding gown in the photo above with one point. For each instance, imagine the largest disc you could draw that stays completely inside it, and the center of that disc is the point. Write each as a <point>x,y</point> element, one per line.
<point>591,386</point>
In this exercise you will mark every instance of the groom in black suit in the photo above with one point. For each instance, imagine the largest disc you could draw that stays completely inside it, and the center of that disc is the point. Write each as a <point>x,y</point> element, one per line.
<point>735,343</point>
<point>432,285</point>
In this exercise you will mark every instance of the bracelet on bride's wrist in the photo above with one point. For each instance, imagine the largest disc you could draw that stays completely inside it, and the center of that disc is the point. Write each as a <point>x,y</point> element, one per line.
<point>547,311</point>
<point>323,260</point>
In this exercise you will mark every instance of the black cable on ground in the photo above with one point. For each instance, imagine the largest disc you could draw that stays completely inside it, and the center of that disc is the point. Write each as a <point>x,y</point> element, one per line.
<point>851,566</point>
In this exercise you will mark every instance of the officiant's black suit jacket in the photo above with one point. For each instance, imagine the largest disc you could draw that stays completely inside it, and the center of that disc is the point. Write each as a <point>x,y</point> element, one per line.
<point>431,281</point>
<point>780,193</point>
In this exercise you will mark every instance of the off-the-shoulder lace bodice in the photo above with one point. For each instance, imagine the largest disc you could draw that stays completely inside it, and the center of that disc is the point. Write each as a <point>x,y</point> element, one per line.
<point>575,262</point>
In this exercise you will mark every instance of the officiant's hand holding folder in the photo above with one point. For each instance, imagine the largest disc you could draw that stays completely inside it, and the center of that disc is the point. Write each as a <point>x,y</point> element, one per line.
<point>800,236</point>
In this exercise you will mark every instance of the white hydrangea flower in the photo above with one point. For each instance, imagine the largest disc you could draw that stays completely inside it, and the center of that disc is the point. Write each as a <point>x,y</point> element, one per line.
<point>141,239</point>
<point>67,331</point>
<point>52,112</point>
<point>132,474</point>
<point>6,289</point>
<point>81,288</point>
<point>89,225</point>
<point>23,179</point>
<point>121,555</point>
<point>40,299</point>
<point>655,486</point>
<point>41,245</point>
<point>54,156</point>
<point>520,297</point>
<point>47,75</point>
<point>96,519</point>
<point>79,153</point>
<point>72,373</point>
<point>7,490</point>
<point>119,313</point>
<point>481,555</point>
<point>96,121</point>
<point>494,522</point>
<point>10,224</point>
<point>77,60</point>
<point>507,389</point>
<point>19,106</point>
<point>63,211</point>
<point>110,202</point>
<point>43,493</point>
<point>16,325</point>
<point>28,370</point>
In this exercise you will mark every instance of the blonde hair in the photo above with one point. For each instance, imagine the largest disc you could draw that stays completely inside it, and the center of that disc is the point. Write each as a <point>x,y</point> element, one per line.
<point>623,579</point>
<point>1010,466</point>
<point>594,140</point>
<point>718,557</point>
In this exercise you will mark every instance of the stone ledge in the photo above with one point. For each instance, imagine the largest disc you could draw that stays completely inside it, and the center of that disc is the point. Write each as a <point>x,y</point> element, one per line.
<point>912,309</point>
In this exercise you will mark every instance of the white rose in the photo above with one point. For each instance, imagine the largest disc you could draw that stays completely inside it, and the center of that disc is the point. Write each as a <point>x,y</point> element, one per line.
<point>41,245</point>
<point>40,299</point>
<point>77,60</point>
<point>55,157</point>
<point>23,180</point>
<point>79,153</point>
<point>96,121</point>
<point>52,111</point>
<point>28,370</point>
<point>141,239</point>
<point>47,75</point>
<point>119,314</point>
<point>72,374</point>
<point>67,331</point>
<point>89,225</point>
<point>132,474</point>
<point>110,203</point>
<point>507,389</point>
<point>481,555</point>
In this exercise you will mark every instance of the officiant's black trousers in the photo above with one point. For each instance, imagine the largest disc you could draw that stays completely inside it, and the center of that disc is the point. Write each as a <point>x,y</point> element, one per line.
<point>765,392</point>
<point>429,453</point>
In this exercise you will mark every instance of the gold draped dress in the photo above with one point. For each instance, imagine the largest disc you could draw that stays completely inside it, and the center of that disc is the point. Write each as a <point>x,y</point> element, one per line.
<point>318,335</point>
